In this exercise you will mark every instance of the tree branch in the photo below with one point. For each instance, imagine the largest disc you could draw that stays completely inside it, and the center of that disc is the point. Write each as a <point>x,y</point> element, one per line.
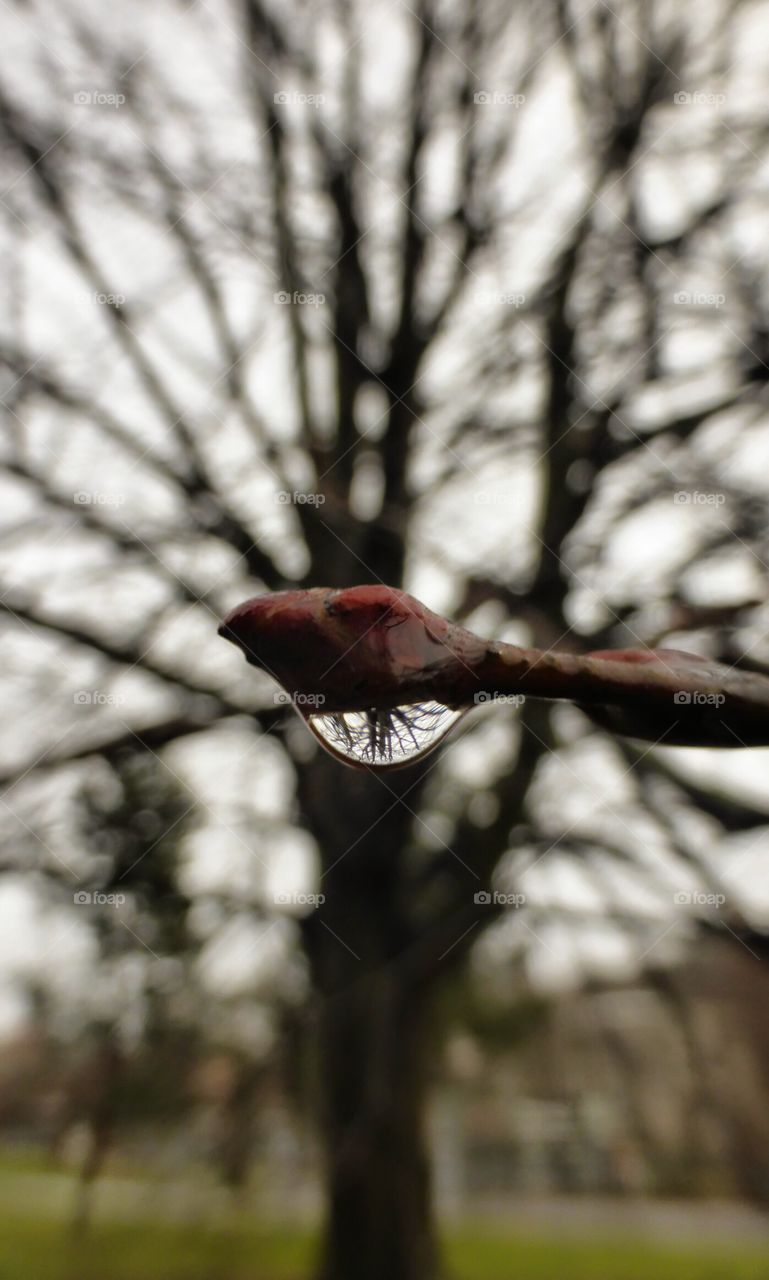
<point>374,648</point>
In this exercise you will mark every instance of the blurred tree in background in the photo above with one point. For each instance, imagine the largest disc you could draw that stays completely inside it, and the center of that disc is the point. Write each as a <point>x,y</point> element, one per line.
<point>131,819</point>
<point>469,298</point>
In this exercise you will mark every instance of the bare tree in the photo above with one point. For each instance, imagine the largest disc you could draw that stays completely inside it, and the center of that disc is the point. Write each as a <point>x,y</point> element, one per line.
<point>328,293</point>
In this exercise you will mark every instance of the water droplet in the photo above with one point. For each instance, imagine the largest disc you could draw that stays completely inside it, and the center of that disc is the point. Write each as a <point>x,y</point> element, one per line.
<point>384,739</point>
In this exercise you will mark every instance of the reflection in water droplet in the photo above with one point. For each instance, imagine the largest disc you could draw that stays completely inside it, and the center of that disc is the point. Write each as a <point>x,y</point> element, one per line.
<point>384,739</point>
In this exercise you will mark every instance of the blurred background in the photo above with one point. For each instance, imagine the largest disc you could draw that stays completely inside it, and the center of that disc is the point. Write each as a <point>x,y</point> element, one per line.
<point>465,297</point>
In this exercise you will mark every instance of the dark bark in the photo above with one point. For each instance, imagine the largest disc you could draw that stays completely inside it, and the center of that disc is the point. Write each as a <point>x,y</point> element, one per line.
<point>364,947</point>
<point>374,1046</point>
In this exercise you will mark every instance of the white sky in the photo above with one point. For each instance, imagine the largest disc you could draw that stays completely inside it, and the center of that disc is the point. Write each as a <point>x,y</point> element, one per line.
<point>482,517</point>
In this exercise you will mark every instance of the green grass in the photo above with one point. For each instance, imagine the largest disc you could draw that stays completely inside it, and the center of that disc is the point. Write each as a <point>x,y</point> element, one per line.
<point>27,1159</point>
<point>149,1251</point>
<point>491,1255</point>
<point>44,1250</point>
<point>135,1237</point>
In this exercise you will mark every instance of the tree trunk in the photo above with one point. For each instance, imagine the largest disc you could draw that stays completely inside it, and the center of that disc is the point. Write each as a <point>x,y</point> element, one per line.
<point>373,1001</point>
<point>374,1047</point>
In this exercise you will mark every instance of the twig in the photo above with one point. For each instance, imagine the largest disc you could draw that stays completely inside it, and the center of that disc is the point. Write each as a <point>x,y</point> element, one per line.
<point>373,648</point>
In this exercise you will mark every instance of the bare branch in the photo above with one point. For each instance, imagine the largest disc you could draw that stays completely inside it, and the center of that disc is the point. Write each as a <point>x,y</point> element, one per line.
<point>129,655</point>
<point>374,648</point>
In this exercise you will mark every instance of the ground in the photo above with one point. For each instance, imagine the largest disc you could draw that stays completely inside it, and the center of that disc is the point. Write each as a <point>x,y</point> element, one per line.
<point>178,1252</point>
<point>142,1233</point>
